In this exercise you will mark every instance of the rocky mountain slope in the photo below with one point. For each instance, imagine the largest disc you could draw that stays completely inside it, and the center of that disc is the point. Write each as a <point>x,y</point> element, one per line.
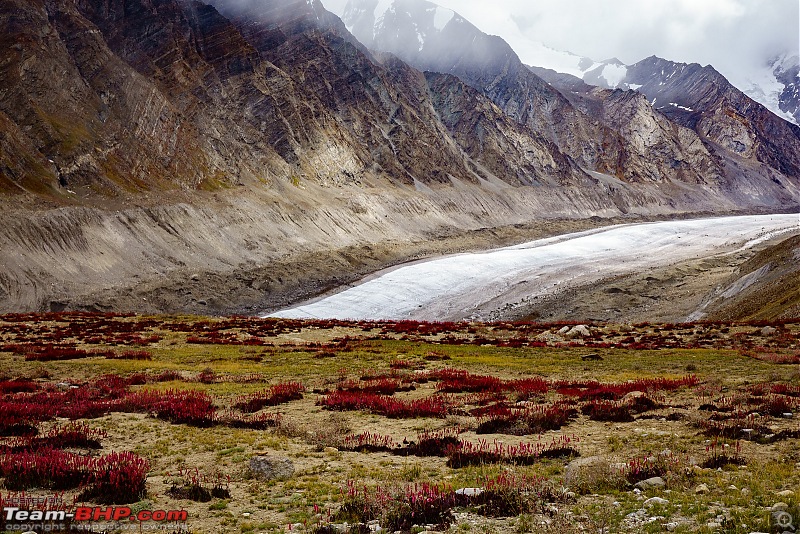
<point>774,84</point>
<point>170,155</point>
<point>623,136</point>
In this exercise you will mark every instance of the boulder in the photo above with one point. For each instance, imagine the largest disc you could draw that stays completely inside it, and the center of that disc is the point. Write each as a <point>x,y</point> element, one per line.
<point>655,501</point>
<point>651,483</point>
<point>585,474</point>
<point>580,330</point>
<point>271,467</point>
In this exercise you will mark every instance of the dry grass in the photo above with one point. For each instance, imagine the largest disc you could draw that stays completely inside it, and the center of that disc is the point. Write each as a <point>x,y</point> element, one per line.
<point>309,435</point>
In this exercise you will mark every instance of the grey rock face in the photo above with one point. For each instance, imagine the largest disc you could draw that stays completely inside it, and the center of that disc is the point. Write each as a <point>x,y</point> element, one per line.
<point>271,467</point>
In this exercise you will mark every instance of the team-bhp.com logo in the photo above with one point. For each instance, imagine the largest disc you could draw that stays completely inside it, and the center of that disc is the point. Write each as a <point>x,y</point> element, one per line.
<point>86,517</point>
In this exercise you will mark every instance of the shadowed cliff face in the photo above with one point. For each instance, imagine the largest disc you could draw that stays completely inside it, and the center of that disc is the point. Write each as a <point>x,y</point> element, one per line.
<point>163,94</point>
<point>702,99</point>
<point>143,142</point>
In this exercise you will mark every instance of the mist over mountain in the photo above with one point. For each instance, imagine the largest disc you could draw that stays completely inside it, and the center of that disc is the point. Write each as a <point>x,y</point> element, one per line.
<point>491,66</point>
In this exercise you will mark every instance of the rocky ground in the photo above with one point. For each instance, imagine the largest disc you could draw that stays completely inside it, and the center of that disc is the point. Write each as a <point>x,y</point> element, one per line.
<point>707,288</point>
<point>677,428</point>
<point>262,252</point>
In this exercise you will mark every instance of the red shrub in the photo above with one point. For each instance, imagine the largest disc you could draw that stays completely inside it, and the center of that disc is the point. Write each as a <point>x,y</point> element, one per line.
<point>433,443</point>
<point>602,410</point>
<point>527,388</point>
<point>529,420</point>
<point>435,406</point>
<point>19,385</point>
<point>403,364</point>
<point>777,405</point>
<point>131,355</point>
<point>45,468</point>
<point>275,395</point>
<point>642,468</point>
<point>166,376</point>
<point>261,421</point>
<point>368,442</point>
<point>117,478</point>
<point>466,453</point>
<point>67,436</point>
<point>52,353</point>
<point>194,408</point>
<point>381,386</point>
<point>462,381</point>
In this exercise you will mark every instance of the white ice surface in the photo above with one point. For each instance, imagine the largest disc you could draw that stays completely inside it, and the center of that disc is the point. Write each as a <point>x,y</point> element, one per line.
<point>471,286</point>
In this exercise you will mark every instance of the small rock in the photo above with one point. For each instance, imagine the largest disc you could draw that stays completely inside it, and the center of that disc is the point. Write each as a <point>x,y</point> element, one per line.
<point>271,467</point>
<point>768,331</point>
<point>246,514</point>
<point>651,483</point>
<point>745,491</point>
<point>671,526</point>
<point>638,514</point>
<point>785,493</point>
<point>733,488</point>
<point>779,507</point>
<point>195,277</point>
<point>714,525</point>
<point>655,501</point>
<point>330,450</point>
<point>702,489</point>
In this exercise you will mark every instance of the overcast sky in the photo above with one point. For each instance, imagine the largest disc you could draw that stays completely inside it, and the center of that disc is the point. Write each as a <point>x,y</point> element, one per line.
<point>732,35</point>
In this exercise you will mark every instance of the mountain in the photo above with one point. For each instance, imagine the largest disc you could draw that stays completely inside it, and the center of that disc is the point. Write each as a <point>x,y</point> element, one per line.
<point>177,156</point>
<point>728,122</point>
<point>779,84</point>
<point>776,85</point>
<point>594,135</point>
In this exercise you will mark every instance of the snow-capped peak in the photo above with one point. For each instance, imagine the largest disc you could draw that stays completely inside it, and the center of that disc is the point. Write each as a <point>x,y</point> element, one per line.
<point>402,21</point>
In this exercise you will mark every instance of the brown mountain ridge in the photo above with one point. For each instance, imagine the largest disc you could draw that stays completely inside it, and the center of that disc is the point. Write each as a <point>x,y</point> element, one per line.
<point>164,155</point>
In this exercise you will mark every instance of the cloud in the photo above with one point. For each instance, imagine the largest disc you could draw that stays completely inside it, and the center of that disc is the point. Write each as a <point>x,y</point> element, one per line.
<point>734,36</point>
